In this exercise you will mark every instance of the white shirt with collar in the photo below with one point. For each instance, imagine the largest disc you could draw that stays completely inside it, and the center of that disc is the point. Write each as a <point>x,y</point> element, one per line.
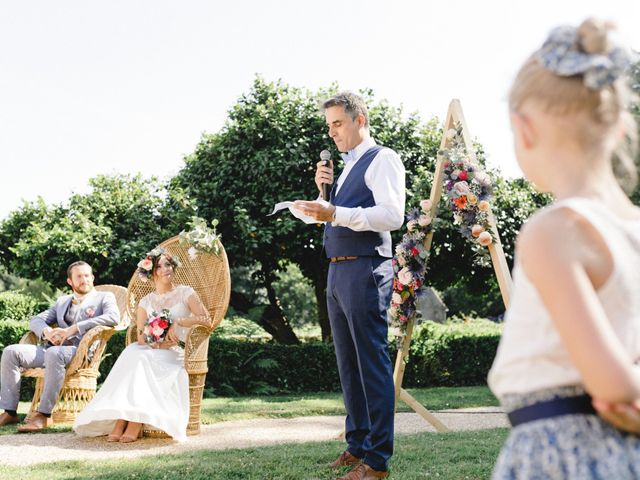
<point>385,177</point>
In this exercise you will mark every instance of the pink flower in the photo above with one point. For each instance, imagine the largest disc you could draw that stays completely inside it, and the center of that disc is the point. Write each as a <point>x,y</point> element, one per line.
<point>461,188</point>
<point>424,220</point>
<point>90,312</point>
<point>163,323</point>
<point>463,175</point>
<point>405,276</point>
<point>145,264</point>
<point>485,239</point>
<point>411,225</point>
<point>157,331</point>
<point>401,261</point>
<point>426,205</point>
<point>476,230</point>
<point>396,298</point>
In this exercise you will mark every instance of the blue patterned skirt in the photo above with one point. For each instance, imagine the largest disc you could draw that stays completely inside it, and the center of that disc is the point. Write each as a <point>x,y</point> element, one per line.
<point>575,446</point>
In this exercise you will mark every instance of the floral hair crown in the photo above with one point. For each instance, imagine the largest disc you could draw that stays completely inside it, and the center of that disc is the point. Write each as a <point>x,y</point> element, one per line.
<point>563,55</point>
<point>145,266</point>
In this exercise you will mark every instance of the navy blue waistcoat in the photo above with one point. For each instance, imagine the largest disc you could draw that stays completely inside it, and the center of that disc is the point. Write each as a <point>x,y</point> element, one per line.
<point>342,241</point>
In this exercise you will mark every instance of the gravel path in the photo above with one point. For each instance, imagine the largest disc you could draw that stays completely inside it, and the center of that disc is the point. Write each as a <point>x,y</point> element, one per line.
<point>29,449</point>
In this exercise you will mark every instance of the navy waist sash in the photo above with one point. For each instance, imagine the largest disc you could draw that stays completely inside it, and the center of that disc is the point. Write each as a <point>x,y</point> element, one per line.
<point>552,408</point>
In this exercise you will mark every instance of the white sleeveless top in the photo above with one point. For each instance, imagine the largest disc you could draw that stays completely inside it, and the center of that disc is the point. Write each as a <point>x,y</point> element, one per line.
<point>531,355</point>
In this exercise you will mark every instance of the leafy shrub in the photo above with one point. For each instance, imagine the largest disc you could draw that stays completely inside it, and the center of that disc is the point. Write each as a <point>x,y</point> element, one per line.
<point>19,306</point>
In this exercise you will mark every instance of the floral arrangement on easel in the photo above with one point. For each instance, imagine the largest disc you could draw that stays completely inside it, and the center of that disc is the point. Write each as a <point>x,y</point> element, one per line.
<point>469,189</point>
<point>409,266</point>
<point>201,237</point>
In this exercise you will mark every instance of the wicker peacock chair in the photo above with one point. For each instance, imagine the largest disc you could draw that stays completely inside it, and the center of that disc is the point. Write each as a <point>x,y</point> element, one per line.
<point>82,374</point>
<point>208,275</point>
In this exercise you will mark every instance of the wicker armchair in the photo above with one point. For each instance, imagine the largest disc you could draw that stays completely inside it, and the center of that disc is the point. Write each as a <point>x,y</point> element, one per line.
<point>208,275</point>
<point>82,372</point>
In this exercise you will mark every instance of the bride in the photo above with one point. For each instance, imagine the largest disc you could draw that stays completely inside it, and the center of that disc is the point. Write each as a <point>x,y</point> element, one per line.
<point>148,383</point>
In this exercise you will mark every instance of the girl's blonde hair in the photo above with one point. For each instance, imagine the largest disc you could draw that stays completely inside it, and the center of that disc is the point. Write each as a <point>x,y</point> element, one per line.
<point>599,113</point>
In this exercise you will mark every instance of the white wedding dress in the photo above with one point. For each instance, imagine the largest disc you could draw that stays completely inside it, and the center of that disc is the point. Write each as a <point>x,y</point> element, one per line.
<point>145,385</point>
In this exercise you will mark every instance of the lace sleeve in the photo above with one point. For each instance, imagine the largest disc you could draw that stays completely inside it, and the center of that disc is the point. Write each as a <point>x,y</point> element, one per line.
<point>185,292</point>
<point>144,303</point>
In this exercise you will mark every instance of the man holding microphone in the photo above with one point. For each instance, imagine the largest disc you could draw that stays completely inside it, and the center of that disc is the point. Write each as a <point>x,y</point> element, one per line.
<point>366,203</point>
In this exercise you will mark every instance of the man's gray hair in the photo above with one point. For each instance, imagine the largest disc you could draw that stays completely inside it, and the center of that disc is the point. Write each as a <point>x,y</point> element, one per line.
<point>353,105</point>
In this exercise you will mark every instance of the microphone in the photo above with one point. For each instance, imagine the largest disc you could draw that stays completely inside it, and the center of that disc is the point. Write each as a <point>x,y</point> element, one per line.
<point>325,155</point>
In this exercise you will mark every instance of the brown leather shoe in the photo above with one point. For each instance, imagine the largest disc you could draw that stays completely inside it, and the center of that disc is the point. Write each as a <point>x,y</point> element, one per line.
<point>345,460</point>
<point>36,422</point>
<point>6,419</point>
<point>364,472</point>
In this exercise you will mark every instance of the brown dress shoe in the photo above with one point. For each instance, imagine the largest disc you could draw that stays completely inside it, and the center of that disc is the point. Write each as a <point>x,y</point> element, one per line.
<point>364,472</point>
<point>36,422</point>
<point>6,419</point>
<point>345,460</point>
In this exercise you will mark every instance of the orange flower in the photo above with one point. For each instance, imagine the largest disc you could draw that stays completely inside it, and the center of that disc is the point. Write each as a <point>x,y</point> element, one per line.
<point>460,202</point>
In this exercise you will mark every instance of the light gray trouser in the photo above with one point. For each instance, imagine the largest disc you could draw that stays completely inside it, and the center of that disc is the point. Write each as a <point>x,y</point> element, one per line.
<point>53,359</point>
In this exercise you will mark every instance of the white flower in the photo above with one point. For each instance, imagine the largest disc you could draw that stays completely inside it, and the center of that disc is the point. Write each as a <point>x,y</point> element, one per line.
<point>396,298</point>
<point>411,225</point>
<point>424,220</point>
<point>193,253</point>
<point>401,260</point>
<point>461,188</point>
<point>451,134</point>
<point>457,219</point>
<point>405,276</point>
<point>426,205</point>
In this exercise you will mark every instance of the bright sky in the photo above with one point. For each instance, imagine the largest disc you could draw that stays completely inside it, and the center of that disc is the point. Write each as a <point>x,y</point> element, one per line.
<point>91,87</point>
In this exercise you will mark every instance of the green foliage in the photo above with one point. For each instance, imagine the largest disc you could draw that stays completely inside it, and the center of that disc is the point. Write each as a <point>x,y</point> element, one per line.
<point>297,297</point>
<point>11,331</point>
<point>456,353</point>
<point>19,306</point>
<point>110,227</point>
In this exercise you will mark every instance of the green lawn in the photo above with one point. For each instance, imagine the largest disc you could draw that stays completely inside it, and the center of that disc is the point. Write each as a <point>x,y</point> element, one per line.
<point>222,409</point>
<point>458,455</point>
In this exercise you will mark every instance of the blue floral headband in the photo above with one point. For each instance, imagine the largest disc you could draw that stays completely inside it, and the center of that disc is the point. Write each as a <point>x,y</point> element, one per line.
<point>562,55</point>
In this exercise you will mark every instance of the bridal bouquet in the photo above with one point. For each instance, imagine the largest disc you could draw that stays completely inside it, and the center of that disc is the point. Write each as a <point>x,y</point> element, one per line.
<point>157,326</point>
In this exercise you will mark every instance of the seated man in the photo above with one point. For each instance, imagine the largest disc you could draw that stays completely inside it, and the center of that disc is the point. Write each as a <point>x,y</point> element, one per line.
<point>75,315</point>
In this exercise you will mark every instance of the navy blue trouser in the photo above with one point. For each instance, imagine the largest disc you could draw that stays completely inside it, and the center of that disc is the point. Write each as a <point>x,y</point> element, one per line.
<point>358,296</point>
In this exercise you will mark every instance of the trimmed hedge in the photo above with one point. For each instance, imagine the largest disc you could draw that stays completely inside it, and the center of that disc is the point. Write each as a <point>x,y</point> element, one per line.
<point>19,306</point>
<point>454,354</point>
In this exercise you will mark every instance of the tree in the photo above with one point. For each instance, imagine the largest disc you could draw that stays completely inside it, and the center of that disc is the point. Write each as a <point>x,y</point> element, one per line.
<point>111,227</point>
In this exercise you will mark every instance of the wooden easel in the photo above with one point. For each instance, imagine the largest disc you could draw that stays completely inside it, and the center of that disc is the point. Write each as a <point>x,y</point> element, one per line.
<point>454,118</point>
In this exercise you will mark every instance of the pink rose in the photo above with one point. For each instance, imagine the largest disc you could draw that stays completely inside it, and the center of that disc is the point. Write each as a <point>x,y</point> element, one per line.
<point>485,239</point>
<point>396,298</point>
<point>157,331</point>
<point>145,264</point>
<point>461,188</point>
<point>483,206</point>
<point>426,205</point>
<point>424,220</point>
<point>405,276</point>
<point>476,230</point>
<point>463,175</point>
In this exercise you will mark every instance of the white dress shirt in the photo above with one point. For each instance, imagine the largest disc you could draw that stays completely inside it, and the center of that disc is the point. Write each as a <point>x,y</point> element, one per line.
<point>385,178</point>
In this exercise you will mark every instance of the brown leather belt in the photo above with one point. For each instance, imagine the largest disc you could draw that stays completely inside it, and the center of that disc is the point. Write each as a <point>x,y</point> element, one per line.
<point>341,259</point>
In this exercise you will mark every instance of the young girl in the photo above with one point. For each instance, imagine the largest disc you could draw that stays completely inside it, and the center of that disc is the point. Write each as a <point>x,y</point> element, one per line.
<point>572,331</point>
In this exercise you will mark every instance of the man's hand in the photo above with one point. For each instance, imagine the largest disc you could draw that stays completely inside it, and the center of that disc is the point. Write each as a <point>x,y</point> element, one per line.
<point>59,335</point>
<point>323,175</point>
<point>623,416</point>
<point>317,210</point>
<point>50,335</point>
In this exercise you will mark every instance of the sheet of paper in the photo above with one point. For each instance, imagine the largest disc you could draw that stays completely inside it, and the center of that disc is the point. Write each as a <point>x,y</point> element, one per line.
<point>295,212</point>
